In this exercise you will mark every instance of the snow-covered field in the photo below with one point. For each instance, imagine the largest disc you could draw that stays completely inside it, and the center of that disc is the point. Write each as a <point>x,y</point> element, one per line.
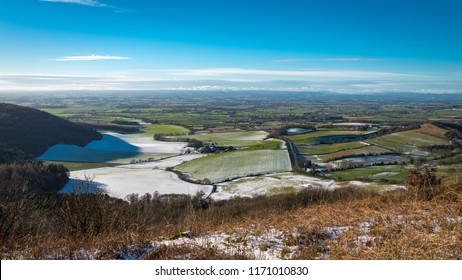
<point>141,178</point>
<point>120,182</point>
<point>167,162</point>
<point>269,184</point>
<point>281,183</point>
<point>148,144</point>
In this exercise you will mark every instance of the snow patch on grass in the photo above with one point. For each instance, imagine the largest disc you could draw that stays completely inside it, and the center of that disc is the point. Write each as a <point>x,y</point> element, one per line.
<point>384,174</point>
<point>268,245</point>
<point>271,183</point>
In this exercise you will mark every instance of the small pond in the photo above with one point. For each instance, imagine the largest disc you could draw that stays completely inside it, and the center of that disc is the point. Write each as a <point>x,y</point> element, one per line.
<point>297,130</point>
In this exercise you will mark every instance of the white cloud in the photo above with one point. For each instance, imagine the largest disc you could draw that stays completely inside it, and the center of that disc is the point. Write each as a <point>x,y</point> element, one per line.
<point>92,3</point>
<point>286,73</point>
<point>160,80</point>
<point>291,60</point>
<point>81,2</point>
<point>351,59</point>
<point>91,57</point>
<point>288,60</point>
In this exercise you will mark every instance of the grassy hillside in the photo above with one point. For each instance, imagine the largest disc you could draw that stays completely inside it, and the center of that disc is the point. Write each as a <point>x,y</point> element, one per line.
<point>346,223</point>
<point>27,133</point>
<point>407,140</point>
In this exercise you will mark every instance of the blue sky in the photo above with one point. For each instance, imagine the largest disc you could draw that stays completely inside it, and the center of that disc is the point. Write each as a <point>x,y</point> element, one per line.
<point>335,45</point>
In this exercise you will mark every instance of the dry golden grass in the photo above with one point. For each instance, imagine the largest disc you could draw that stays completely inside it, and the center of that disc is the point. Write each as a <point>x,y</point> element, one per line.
<point>395,225</point>
<point>399,226</point>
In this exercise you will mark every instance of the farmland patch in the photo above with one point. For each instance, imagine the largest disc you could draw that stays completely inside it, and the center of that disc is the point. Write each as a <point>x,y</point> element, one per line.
<point>328,149</point>
<point>411,138</point>
<point>368,150</point>
<point>225,166</point>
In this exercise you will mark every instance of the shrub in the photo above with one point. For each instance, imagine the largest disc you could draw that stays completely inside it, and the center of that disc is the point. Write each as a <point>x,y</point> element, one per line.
<point>425,184</point>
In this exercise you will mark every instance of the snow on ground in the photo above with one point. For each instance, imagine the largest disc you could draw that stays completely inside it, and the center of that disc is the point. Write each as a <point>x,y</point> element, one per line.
<point>272,184</point>
<point>164,163</point>
<point>148,144</point>
<point>384,174</point>
<point>268,245</point>
<point>283,144</point>
<point>120,182</point>
<point>357,184</point>
<point>255,242</point>
<point>280,183</point>
<point>140,178</point>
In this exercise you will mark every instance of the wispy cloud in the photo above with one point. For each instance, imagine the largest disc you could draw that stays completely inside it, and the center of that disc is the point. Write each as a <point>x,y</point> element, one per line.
<point>92,57</point>
<point>350,74</point>
<point>10,82</point>
<point>352,59</point>
<point>291,60</point>
<point>92,3</point>
<point>288,60</point>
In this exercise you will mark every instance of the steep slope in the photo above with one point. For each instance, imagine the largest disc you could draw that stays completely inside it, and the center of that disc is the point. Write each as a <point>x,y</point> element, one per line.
<point>26,133</point>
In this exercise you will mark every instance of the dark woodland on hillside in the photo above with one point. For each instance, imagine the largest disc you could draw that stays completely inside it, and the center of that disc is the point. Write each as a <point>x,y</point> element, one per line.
<point>26,133</point>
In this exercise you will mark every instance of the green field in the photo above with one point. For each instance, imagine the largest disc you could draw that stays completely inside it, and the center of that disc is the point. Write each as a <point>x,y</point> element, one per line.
<point>151,129</point>
<point>394,173</point>
<point>450,172</point>
<point>251,139</point>
<point>322,133</point>
<point>268,144</point>
<point>328,149</point>
<point>225,166</point>
<point>368,150</point>
<point>374,173</point>
<point>407,141</point>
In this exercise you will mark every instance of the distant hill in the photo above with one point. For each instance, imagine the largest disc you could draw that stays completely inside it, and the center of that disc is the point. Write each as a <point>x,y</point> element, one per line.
<point>26,133</point>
